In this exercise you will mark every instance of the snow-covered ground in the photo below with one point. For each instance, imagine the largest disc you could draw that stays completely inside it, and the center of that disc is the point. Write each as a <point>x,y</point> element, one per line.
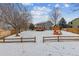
<point>39,48</point>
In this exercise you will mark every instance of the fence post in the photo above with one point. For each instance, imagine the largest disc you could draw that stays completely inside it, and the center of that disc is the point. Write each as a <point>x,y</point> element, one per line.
<point>21,39</point>
<point>3,40</point>
<point>34,39</point>
<point>58,38</point>
<point>43,39</point>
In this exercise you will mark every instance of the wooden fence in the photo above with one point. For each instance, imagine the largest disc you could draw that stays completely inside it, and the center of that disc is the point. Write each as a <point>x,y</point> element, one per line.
<point>17,40</point>
<point>45,38</point>
<point>61,38</point>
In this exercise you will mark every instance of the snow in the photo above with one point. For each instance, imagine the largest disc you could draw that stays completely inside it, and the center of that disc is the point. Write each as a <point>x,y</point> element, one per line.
<point>39,48</point>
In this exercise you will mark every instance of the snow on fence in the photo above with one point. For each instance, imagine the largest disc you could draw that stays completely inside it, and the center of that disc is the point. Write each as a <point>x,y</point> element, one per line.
<point>61,38</point>
<point>16,40</point>
<point>45,38</point>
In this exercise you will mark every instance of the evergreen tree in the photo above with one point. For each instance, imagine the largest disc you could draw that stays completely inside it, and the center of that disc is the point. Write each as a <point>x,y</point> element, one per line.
<point>31,26</point>
<point>62,23</point>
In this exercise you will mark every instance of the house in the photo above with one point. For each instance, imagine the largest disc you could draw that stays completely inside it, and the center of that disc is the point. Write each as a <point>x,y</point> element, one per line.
<point>47,25</point>
<point>74,23</point>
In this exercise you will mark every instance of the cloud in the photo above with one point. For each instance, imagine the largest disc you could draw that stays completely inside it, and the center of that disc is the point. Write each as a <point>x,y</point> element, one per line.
<point>49,5</point>
<point>40,13</point>
<point>28,4</point>
<point>66,5</point>
<point>57,5</point>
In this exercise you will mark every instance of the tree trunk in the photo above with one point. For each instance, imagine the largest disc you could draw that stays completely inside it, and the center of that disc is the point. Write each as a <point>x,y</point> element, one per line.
<point>17,32</point>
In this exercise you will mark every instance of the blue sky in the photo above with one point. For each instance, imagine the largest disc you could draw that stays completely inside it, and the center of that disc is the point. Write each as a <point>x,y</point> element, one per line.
<point>40,11</point>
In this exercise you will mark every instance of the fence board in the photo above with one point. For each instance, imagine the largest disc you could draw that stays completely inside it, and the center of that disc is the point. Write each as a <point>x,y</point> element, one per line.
<point>61,38</point>
<point>16,40</point>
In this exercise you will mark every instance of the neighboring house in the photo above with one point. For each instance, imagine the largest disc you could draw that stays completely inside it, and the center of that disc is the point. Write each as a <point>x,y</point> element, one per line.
<point>4,29</point>
<point>47,25</point>
<point>74,23</point>
<point>5,26</point>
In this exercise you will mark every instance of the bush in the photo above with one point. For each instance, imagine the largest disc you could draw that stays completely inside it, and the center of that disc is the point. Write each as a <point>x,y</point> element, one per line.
<point>31,26</point>
<point>73,30</point>
<point>13,31</point>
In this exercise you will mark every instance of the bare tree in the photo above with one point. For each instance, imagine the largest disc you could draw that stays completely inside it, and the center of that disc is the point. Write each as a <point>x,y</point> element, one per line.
<point>15,15</point>
<point>55,14</point>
